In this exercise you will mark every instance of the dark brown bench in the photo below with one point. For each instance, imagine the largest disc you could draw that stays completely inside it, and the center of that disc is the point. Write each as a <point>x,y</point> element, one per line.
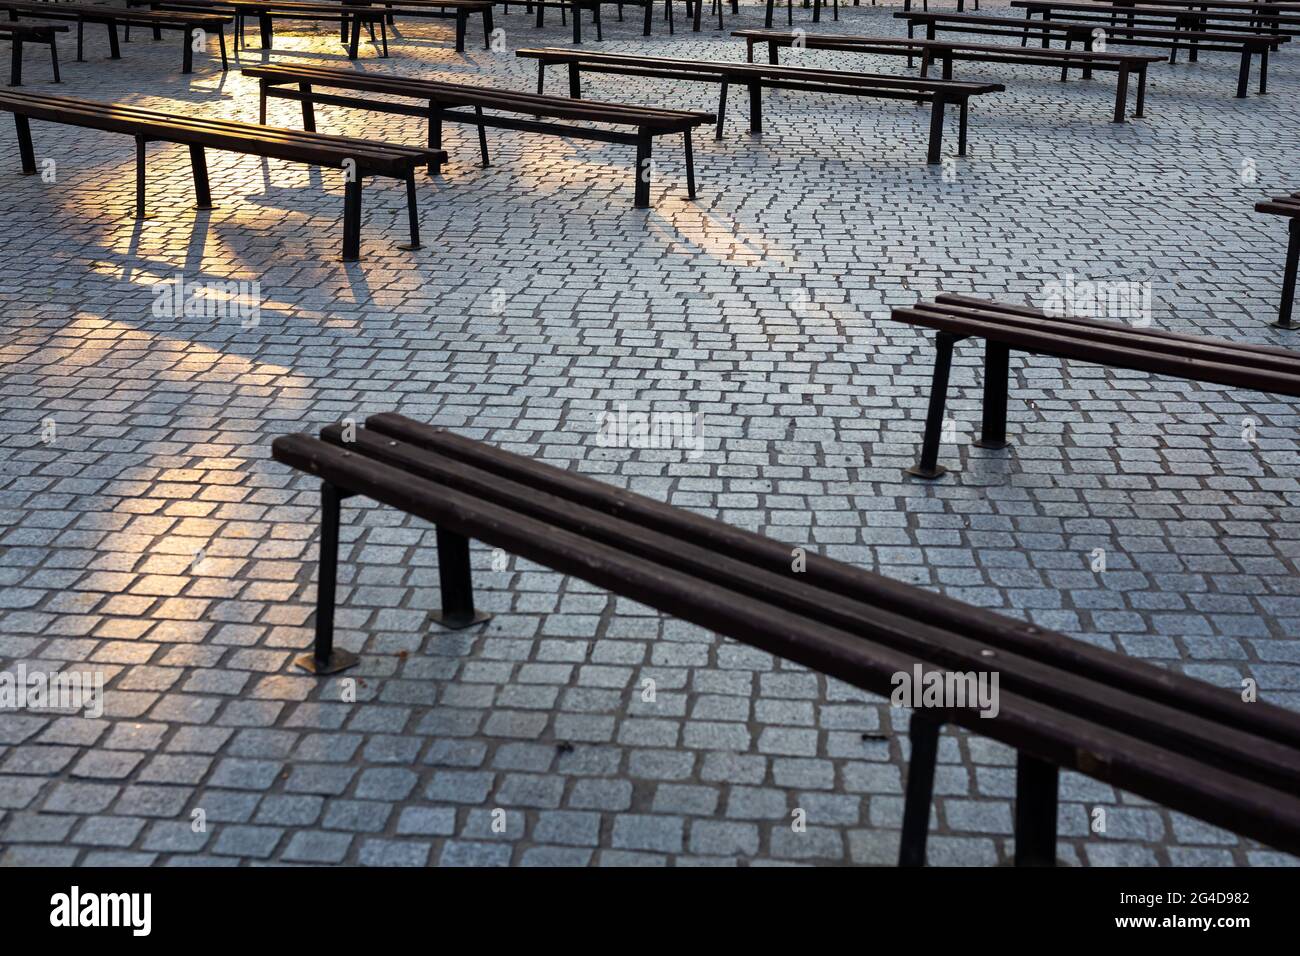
<point>20,34</point>
<point>1061,703</point>
<point>938,93</point>
<point>1005,327</point>
<point>1085,34</point>
<point>358,158</point>
<point>188,23</point>
<point>437,102</point>
<point>1288,206</point>
<point>946,51</point>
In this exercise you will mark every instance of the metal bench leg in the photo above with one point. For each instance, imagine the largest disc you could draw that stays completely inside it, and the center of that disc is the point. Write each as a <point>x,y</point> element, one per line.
<point>641,198</point>
<point>1121,94</point>
<point>264,25</point>
<point>139,176</point>
<point>354,39</point>
<point>324,659</point>
<point>187,52</point>
<point>1288,277</point>
<point>352,218</point>
<point>482,137</point>
<point>936,130</point>
<point>575,82</point>
<point>27,152</point>
<point>722,106</point>
<point>221,38</point>
<point>462,22</point>
<point>1243,77</point>
<point>262,100</point>
<point>924,735</point>
<point>435,135</point>
<point>690,165</point>
<point>457,609</point>
<point>114,51</point>
<point>308,108</point>
<point>997,371</point>
<point>1036,791</point>
<point>1263,71</point>
<point>16,62</point>
<point>755,109</point>
<point>412,213</point>
<point>649,8</point>
<point>54,59</point>
<point>928,467</point>
<point>1142,91</point>
<point>767,20</point>
<point>80,41</point>
<point>541,75</point>
<point>199,166</point>
<point>961,127</point>
<point>383,37</point>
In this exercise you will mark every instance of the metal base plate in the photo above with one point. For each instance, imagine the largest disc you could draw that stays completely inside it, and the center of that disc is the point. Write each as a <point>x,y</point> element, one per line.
<point>338,661</point>
<point>1290,326</point>
<point>916,471</point>
<point>458,622</point>
<point>992,445</point>
<point>409,247</point>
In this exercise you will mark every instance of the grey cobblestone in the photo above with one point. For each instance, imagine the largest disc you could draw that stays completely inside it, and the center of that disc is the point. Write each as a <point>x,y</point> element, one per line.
<point>762,305</point>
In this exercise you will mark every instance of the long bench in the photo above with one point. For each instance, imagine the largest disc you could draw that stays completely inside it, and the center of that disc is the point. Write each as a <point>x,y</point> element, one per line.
<point>1245,44</point>
<point>188,23</point>
<point>438,101</point>
<point>1060,703</point>
<point>946,51</point>
<point>358,158</point>
<point>351,16</point>
<point>1005,327</point>
<point>1188,19</point>
<point>938,93</point>
<point>1289,207</point>
<point>20,34</point>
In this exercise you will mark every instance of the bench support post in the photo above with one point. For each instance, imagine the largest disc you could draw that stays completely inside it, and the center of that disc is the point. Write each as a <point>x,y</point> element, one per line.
<point>1121,94</point>
<point>352,218</point>
<point>457,611</point>
<point>16,60</point>
<point>187,51</point>
<point>482,137</point>
<point>755,109</point>
<point>928,468</point>
<point>324,659</point>
<point>1288,277</point>
<point>644,168</point>
<point>722,109</point>
<point>690,165</point>
<point>936,131</point>
<point>1243,75</point>
<point>1036,790</point>
<point>199,165</point>
<point>924,735</point>
<point>28,153</point>
<point>139,176</point>
<point>412,213</point>
<point>993,431</point>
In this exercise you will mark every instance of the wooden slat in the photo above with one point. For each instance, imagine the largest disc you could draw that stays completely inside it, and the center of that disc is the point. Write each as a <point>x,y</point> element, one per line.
<point>851,42</point>
<point>1269,356</point>
<point>1114,33</point>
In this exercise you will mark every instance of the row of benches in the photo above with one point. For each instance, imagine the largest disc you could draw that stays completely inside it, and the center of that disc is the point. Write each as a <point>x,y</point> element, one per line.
<point>1062,703</point>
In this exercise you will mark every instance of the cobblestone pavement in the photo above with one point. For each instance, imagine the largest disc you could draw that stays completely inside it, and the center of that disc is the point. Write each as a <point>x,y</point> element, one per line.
<point>146,535</point>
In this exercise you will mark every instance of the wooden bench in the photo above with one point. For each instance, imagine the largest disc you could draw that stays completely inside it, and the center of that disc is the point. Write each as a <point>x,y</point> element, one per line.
<point>946,51</point>
<point>1189,19</point>
<point>938,93</point>
<point>1061,703</point>
<point>1288,206</point>
<point>358,158</point>
<point>1004,327</point>
<point>267,11</point>
<point>1247,45</point>
<point>113,17</point>
<point>437,101</point>
<point>351,16</point>
<point>19,34</point>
